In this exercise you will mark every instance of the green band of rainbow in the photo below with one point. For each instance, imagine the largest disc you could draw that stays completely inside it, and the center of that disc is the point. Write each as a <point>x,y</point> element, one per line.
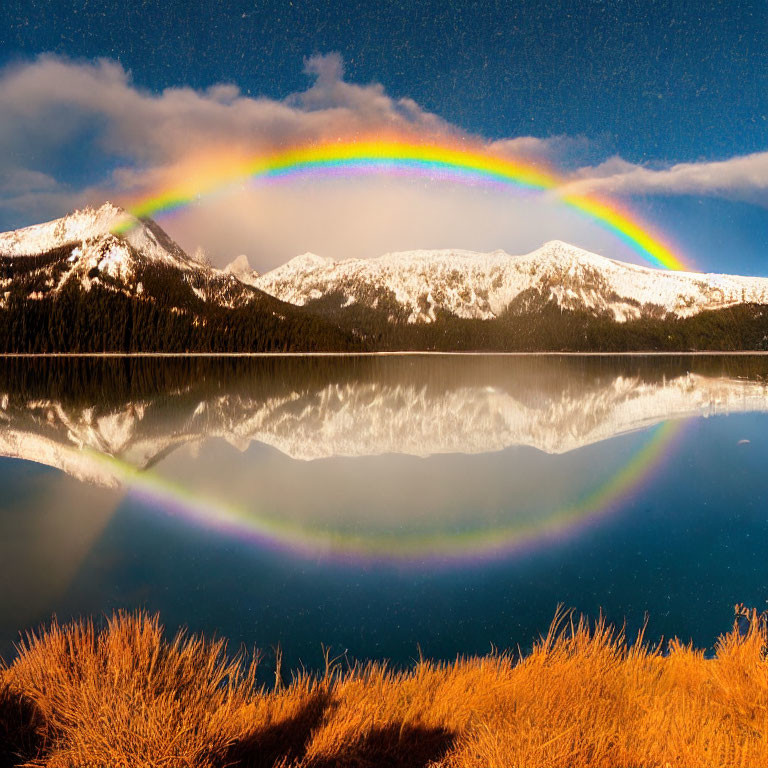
<point>430,160</point>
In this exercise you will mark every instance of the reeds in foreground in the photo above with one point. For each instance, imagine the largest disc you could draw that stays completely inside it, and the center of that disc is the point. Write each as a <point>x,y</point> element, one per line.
<point>123,695</point>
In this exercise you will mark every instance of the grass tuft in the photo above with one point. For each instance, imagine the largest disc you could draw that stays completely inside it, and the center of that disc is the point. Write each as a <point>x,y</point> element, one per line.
<point>124,695</point>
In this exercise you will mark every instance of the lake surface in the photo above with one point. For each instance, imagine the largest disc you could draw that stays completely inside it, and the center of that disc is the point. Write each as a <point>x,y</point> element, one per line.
<point>385,506</point>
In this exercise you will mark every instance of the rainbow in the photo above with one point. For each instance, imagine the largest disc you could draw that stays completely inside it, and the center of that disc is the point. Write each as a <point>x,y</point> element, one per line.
<point>437,161</point>
<point>398,547</point>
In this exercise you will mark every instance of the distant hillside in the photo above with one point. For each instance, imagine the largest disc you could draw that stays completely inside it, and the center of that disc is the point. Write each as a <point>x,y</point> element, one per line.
<point>422,286</point>
<point>102,281</point>
<point>557,298</point>
<point>73,285</point>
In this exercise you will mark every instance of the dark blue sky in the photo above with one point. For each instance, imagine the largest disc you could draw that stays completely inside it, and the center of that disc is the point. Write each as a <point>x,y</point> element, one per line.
<point>657,80</point>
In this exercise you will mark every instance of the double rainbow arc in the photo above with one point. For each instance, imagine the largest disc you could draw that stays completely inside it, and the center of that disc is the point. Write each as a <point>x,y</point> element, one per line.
<point>437,161</point>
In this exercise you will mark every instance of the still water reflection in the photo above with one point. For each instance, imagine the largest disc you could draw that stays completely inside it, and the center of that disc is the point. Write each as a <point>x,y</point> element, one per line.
<point>382,505</point>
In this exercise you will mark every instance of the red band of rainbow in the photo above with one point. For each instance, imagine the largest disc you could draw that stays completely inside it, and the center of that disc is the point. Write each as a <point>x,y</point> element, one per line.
<point>426,160</point>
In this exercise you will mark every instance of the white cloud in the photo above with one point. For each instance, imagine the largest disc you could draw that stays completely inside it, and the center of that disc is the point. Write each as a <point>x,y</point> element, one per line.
<point>744,177</point>
<point>57,110</point>
<point>328,68</point>
<point>557,151</point>
<point>54,108</point>
<point>56,99</point>
<point>18,181</point>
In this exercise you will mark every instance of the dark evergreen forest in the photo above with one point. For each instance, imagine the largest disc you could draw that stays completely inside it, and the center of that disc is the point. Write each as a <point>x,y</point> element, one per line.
<point>546,327</point>
<point>168,315</point>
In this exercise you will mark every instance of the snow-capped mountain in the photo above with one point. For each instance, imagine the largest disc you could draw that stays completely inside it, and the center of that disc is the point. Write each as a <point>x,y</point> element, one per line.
<point>418,411</point>
<point>241,269</point>
<point>100,280</point>
<point>86,226</point>
<point>420,285</point>
<point>109,247</point>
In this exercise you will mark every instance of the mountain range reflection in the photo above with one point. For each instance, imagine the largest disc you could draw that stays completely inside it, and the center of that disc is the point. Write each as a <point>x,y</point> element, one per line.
<point>69,413</point>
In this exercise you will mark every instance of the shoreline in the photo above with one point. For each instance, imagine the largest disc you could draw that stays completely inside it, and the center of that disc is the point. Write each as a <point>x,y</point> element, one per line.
<point>404,353</point>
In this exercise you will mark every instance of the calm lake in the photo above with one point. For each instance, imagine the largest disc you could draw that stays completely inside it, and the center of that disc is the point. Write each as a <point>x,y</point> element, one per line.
<point>385,506</point>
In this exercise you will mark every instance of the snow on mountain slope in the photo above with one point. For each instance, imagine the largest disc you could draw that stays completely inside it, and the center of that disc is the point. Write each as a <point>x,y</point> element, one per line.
<point>78,226</point>
<point>412,286</point>
<point>88,225</point>
<point>241,269</point>
<point>483,285</point>
<point>361,418</point>
<point>109,246</point>
<point>83,247</point>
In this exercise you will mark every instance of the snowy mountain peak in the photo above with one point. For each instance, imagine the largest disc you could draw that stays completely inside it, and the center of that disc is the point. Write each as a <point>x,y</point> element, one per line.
<point>309,261</point>
<point>90,229</point>
<point>106,246</point>
<point>558,249</point>
<point>241,269</point>
<point>78,226</point>
<point>423,284</point>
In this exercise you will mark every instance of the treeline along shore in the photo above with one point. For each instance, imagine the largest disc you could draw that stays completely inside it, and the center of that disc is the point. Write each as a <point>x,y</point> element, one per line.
<point>102,321</point>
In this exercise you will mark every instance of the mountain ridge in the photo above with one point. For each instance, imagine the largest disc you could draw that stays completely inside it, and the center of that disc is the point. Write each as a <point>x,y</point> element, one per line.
<point>482,286</point>
<point>101,280</point>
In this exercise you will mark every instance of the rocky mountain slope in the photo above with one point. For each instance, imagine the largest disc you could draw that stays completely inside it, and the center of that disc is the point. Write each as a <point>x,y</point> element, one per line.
<point>100,280</point>
<point>110,248</point>
<point>418,286</point>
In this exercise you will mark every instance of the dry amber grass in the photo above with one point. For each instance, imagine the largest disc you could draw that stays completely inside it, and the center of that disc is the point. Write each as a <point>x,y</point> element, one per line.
<point>125,696</point>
